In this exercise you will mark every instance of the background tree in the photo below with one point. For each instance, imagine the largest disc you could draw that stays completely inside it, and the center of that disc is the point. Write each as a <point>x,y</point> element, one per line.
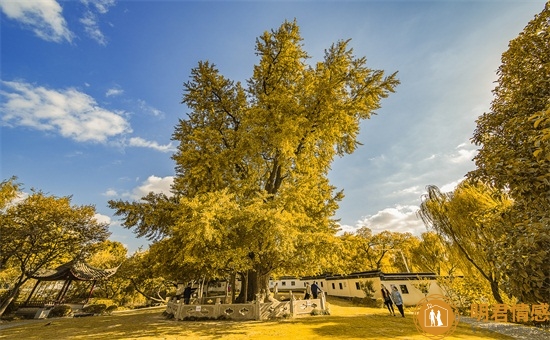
<point>9,189</point>
<point>142,276</point>
<point>469,220</point>
<point>267,149</point>
<point>104,255</point>
<point>40,232</point>
<point>515,156</point>
<point>431,254</point>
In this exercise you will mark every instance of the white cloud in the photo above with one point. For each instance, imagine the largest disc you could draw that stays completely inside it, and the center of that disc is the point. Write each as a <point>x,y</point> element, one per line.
<point>114,92</point>
<point>102,218</point>
<point>142,143</point>
<point>91,28</point>
<point>102,6</point>
<point>153,184</point>
<point>144,106</point>
<point>464,153</point>
<point>110,193</point>
<point>400,218</point>
<point>448,187</point>
<point>68,112</point>
<point>43,17</point>
<point>90,18</point>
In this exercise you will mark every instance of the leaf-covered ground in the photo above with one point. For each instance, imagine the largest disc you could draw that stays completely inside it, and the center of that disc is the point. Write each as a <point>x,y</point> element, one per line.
<point>345,322</point>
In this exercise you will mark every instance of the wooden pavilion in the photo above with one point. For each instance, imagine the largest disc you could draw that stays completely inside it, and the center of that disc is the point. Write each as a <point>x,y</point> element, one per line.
<point>61,279</point>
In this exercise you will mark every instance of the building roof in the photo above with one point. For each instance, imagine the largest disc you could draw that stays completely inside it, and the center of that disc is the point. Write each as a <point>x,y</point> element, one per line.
<point>384,276</point>
<point>76,271</point>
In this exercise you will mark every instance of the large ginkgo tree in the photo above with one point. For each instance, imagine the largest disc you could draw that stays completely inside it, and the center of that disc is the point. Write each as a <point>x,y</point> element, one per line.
<point>251,192</point>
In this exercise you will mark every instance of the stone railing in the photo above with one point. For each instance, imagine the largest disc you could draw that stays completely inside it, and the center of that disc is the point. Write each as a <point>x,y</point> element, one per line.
<point>245,311</point>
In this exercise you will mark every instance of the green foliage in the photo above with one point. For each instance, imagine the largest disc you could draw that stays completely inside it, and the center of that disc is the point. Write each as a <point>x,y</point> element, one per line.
<point>95,308</point>
<point>9,190</point>
<point>251,192</point>
<point>109,254</point>
<point>383,251</point>
<point>60,311</point>
<point>41,232</point>
<point>464,291</point>
<point>317,311</point>
<point>422,284</point>
<point>142,274</point>
<point>515,156</point>
<point>432,255</point>
<point>470,221</point>
<point>110,309</point>
<point>367,286</point>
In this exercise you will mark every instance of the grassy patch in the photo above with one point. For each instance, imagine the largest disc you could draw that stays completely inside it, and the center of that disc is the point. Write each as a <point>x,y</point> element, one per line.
<point>347,321</point>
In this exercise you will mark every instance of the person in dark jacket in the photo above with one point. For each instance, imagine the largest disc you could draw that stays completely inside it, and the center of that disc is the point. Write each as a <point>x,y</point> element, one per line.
<point>187,292</point>
<point>386,295</point>
<point>315,290</point>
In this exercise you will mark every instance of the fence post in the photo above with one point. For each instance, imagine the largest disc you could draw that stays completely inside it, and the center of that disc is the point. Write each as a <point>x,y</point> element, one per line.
<point>292,300</point>
<point>258,310</point>
<point>323,300</point>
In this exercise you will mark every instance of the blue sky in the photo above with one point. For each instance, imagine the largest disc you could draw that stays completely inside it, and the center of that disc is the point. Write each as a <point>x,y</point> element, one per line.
<point>91,91</point>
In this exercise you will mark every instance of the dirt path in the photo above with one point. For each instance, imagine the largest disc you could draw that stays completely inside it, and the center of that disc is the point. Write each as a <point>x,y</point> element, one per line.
<point>514,330</point>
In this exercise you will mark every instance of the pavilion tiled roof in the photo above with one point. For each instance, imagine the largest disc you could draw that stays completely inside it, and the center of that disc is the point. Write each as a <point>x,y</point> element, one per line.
<point>76,271</point>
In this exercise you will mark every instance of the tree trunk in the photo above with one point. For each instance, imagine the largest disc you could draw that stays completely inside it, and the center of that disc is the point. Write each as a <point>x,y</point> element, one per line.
<point>252,287</point>
<point>233,285</point>
<point>244,288</point>
<point>12,295</point>
<point>496,292</point>
<point>258,283</point>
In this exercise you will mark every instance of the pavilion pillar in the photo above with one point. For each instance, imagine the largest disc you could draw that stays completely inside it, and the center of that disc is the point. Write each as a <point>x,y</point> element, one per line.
<point>91,291</point>
<point>32,291</point>
<point>63,291</point>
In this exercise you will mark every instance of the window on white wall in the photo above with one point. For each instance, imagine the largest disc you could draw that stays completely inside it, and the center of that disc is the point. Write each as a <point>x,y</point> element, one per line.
<point>404,289</point>
<point>357,286</point>
<point>283,283</point>
<point>340,284</point>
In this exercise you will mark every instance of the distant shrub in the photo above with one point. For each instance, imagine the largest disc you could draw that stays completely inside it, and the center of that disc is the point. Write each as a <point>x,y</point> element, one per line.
<point>110,309</point>
<point>60,311</point>
<point>319,312</point>
<point>96,309</point>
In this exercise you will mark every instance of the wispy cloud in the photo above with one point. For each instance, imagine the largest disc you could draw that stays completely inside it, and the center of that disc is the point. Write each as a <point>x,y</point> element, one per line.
<point>68,112</point>
<point>90,20</point>
<point>115,91</point>
<point>142,143</point>
<point>149,109</point>
<point>43,17</point>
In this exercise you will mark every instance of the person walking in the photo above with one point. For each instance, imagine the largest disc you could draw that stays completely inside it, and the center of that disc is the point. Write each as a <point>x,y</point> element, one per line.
<point>398,300</point>
<point>386,295</point>
<point>315,289</point>
<point>308,291</point>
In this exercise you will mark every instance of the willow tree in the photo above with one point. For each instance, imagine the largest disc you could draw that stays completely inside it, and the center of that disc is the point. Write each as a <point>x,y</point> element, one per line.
<point>515,156</point>
<point>469,221</point>
<point>252,162</point>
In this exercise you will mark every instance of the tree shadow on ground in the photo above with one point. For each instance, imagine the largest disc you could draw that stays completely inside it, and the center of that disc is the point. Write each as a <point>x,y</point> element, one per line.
<point>152,325</point>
